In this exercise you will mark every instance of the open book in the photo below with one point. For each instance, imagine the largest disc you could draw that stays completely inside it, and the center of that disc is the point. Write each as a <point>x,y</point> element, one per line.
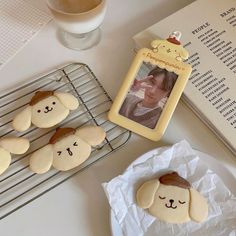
<point>209,34</point>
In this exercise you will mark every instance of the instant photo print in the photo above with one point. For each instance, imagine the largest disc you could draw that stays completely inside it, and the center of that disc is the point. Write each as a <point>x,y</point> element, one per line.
<point>152,88</point>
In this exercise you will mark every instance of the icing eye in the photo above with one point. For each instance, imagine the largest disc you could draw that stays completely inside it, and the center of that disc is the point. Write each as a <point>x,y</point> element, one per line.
<point>38,111</point>
<point>59,153</point>
<point>162,197</point>
<point>175,51</point>
<point>181,202</point>
<point>75,144</point>
<point>54,103</point>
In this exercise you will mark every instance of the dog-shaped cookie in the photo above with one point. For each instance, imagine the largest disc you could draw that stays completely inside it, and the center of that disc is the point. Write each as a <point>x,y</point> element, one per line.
<point>172,199</point>
<point>10,145</point>
<point>46,109</point>
<point>171,47</point>
<point>67,149</point>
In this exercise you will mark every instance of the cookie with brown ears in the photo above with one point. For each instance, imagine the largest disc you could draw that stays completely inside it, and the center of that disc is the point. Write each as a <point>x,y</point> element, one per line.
<point>10,145</point>
<point>46,109</point>
<point>67,149</point>
<point>171,198</point>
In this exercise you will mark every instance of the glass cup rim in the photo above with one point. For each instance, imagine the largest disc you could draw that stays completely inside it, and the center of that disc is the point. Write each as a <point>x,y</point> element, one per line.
<point>73,14</point>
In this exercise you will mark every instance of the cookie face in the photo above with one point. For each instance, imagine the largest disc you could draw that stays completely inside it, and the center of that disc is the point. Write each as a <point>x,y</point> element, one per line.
<point>67,149</point>
<point>172,50</point>
<point>46,109</point>
<point>48,112</point>
<point>70,152</point>
<point>172,200</point>
<point>171,204</point>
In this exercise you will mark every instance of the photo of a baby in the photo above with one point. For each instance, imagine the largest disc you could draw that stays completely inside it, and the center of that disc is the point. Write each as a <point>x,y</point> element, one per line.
<point>148,95</point>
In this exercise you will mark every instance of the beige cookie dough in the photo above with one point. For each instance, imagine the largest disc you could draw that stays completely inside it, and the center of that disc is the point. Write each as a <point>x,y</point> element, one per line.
<point>11,145</point>
<point>41,161</point>
<point>46,109</point>
<point>87,134</point>
<point>67,149</point>
<point>70,152</point>
<point>5,160</point>
<point>171,199</point>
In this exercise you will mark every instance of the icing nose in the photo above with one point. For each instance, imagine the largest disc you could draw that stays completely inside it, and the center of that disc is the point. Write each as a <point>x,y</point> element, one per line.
<point>168,50</point>
<point>47,107</point>
<point>171,201</point>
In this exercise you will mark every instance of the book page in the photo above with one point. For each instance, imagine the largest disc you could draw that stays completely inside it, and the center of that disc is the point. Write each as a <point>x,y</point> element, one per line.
<point>208,32</point>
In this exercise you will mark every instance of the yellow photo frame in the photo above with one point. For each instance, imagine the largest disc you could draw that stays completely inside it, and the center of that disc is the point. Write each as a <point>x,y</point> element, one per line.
<point>152,89</point>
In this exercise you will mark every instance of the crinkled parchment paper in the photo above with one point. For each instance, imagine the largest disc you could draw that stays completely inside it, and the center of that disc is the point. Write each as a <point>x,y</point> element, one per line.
<point>135,221</point>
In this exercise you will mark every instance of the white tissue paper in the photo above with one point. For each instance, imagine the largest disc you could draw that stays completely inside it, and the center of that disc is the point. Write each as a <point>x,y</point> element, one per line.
<point>134,221</point>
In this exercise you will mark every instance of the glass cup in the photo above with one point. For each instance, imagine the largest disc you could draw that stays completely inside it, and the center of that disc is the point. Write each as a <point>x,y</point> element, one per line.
<point>78,21</point>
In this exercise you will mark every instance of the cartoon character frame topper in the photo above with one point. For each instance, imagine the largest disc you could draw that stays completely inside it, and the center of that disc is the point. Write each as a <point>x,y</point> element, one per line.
<point>171,47</point>
<point>46,109</point>
<point>167,55</point>
<point>67,149</point>
<point>171,198</point>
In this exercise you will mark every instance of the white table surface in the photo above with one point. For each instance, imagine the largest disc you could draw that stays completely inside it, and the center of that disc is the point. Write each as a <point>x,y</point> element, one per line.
<point>79,206</point>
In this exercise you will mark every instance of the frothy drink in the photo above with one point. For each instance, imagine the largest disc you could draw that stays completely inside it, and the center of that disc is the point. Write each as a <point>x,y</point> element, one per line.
<point>75,6</point>
<point>78,16</point>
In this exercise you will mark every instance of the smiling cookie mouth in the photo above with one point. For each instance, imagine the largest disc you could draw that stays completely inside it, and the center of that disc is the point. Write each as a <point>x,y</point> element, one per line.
<point>48,110</point>
<point>173,207</point>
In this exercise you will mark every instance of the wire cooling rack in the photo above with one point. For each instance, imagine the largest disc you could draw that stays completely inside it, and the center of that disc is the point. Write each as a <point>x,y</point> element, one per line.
<point>18,185</point>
